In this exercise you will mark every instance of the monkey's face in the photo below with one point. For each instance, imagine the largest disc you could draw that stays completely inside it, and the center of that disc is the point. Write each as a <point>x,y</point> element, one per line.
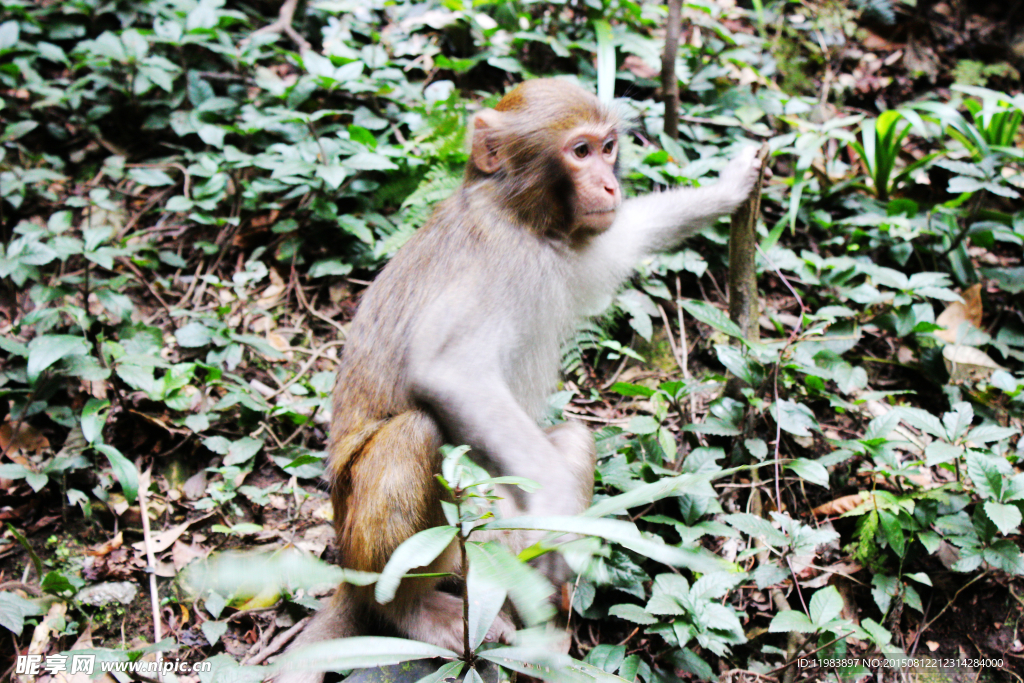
<point>589,156</point>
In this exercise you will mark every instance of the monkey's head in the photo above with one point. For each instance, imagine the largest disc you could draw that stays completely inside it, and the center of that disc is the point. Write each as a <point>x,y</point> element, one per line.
<point>551,148</point>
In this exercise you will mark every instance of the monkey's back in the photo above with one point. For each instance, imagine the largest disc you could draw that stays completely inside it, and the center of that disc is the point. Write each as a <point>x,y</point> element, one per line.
<point>462,273</point>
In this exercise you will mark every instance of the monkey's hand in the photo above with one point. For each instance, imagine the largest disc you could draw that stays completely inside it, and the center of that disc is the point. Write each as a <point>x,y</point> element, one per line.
<point>739,177</point>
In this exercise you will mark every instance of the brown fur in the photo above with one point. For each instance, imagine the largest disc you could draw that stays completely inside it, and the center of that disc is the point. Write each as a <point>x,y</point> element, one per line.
<point>457,341</point>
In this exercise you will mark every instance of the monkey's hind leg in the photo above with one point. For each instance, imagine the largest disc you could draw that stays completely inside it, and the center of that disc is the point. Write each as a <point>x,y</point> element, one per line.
<point>390,495</point>
<point>336,620</point>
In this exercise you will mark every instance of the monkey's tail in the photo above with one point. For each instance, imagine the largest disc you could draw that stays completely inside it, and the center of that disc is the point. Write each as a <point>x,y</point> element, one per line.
<point>336,620</point>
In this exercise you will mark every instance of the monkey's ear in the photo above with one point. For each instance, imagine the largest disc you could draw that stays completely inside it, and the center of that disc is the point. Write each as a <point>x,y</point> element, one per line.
<point>486,125</point>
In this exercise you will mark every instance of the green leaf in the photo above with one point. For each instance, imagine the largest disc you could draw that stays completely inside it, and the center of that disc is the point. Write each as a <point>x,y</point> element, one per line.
<point>93,419</point>
<point>624,389</point>
<point>14,609</point>
<point>213,630</point>
<point>417,551</point>
<point>543,663</point>
<point>486,590</point>
<point>643,424</point>
<point>709,315</point>
<point>357,653</point>
<point>791,620</point>
<point>795,418</point>
<point>938,452</point>
<point>606,66</point>
<point>989,433</point>
<point>193,335</point>
<point>124,471</point>
<point>527,588</point>
<point>810,470</point>
<point>45,350</point>
<point>242,450</point>
<point>1005,517</point>
<point>151,177</point>
<point>633,613</point>
<point>987,474</point>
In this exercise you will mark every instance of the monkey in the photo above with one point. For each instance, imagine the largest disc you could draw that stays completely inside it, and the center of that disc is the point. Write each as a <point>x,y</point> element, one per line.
<point>458,341</point>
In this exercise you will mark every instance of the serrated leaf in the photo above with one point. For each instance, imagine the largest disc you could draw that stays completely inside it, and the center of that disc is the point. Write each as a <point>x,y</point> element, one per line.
<point>791,620</point>
<point>826,605</point>
<point>643,424</point>
<point>795,418</point>
<point>1005,517</point>
<point>709,315</point>
<point>633,613</point>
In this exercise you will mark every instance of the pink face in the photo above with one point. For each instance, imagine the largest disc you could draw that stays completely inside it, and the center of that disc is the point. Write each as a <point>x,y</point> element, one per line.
<point>589,156</point>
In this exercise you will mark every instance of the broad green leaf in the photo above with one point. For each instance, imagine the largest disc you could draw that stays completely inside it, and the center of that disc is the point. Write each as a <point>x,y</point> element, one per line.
<point>1005,517</point>
<point>358,653</point>
<point>938,452</point>
<point>47,349</point>
<point>791,620</point>
<point>987,474</point>
<point>810,470</point>
<point>795,418</point>
<point>643,424</point>
<point>709,315</point>
<point>93,419</point>
<point>527,588</point>
<point>486,589</point>
<point>14,609</point>
<point>124,471</point>
<point>633,613</point>
<point>193,335</point>
<point>541,662</point>
<point>417,551</point>
<point>989,433</point>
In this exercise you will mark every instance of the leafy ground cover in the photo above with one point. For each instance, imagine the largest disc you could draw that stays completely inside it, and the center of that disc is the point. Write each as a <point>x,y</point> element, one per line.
<point>190,209</point>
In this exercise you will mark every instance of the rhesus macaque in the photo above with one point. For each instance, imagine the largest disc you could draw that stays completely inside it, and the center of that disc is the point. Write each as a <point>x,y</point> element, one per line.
<point>458,339</point>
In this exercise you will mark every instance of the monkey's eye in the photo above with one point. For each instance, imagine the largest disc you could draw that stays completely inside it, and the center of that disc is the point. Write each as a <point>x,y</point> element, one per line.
<point>581,150</point>
<point>609,147</point>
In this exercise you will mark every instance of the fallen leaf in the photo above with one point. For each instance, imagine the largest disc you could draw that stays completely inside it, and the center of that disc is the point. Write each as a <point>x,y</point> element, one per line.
<point>957,313</point>
<point>164,540</point>
<point>968,363</point>
<point>841,505</point>
<point>27,438</point>
<point>639,68</point>
<point>107,547</point>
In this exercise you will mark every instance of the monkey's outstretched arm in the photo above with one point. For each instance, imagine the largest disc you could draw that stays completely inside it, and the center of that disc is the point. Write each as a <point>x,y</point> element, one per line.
<point>659,221</point>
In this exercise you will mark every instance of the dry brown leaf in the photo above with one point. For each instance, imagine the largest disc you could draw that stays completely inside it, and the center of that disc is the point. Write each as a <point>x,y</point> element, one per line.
<point>107,547</point>
<point>182,554</point>
<point>967,363</point>
<point>53,623</point>
<point>639,67</point>
<point>164,540</point>
<point>841,506</point>
<point>27,439</point>
<point>957,313</point>
<point>271,296</point>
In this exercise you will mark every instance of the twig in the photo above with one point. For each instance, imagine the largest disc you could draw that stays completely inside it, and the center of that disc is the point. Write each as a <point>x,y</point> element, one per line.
<point>283,24</point>
<point>154,597</point>
<point>306,366</point>
<point>669,82</point>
